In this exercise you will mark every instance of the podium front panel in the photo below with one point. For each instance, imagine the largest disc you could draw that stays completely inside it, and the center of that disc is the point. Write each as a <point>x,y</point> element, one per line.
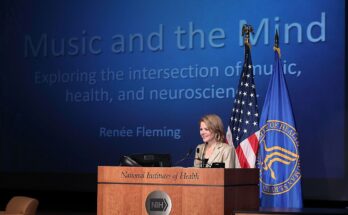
<point>124,190</point>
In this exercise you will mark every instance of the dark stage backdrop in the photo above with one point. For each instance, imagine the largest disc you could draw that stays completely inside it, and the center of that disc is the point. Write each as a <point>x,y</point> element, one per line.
<point>83,83</point>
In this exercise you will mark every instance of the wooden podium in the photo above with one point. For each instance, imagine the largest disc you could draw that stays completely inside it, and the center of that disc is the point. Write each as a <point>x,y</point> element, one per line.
<point>129,190</point>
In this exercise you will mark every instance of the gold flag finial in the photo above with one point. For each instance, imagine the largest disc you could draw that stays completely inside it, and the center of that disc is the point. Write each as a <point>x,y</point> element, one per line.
<point>276,43</point>
<point>246,30</point>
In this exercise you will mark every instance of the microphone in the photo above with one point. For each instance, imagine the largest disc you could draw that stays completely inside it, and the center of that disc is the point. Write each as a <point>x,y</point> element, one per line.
<point>188,154</point>
<point>197,152</point>
<point>203,164</point>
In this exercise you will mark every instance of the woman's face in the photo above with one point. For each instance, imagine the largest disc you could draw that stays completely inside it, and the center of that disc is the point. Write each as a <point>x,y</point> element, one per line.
<point>206,134</point>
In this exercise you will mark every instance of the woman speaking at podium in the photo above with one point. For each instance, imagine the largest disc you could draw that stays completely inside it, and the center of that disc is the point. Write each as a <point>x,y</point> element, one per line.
<point>214,150</point>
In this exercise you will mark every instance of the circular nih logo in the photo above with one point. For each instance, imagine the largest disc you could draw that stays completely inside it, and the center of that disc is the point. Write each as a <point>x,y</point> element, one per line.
<point>158,203</point>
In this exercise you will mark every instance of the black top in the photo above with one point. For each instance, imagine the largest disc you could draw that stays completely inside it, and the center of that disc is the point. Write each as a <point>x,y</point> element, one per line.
<point>205,162</point>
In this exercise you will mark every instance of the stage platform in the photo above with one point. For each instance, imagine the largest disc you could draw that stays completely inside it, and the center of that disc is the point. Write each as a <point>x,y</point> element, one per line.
<point>312,211</point>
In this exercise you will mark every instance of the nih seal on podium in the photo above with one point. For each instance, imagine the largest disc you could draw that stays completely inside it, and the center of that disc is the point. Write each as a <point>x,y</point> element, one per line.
<point>280,164</point>
<point>158,203</point>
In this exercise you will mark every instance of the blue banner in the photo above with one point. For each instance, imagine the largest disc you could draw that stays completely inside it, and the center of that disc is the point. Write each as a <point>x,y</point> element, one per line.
<point>280,175</point>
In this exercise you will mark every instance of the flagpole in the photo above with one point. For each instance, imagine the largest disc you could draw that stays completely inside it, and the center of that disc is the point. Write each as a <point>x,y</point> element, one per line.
<point>276,39</point>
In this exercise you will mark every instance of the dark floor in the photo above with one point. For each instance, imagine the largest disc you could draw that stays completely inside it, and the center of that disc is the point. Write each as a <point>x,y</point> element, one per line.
<point>85,203</point>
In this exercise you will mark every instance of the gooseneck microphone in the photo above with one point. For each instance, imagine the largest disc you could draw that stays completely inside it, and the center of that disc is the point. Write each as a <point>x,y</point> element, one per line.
<point>188,154</point>
<point>198,158</point>
<point>202,157</point>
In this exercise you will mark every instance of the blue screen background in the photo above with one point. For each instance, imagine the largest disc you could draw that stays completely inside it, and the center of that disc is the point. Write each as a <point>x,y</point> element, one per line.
<point>46,127</point>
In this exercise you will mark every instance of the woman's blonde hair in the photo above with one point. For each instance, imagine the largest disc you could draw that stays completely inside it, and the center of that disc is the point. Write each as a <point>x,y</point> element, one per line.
<point>214,124</point>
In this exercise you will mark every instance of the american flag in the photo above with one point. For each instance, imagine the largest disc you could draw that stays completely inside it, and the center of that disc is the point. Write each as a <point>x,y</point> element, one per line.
<point>243,127</point>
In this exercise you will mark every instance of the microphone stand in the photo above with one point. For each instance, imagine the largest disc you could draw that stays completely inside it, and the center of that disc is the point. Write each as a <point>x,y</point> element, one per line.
<point>188,154</point>
<point>202,157</point>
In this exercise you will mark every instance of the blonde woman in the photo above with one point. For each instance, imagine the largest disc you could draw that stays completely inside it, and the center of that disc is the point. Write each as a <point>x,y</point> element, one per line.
<point>214,148</point>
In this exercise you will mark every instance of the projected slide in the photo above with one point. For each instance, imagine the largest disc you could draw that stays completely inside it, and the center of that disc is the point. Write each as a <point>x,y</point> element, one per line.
<point>83,83</point>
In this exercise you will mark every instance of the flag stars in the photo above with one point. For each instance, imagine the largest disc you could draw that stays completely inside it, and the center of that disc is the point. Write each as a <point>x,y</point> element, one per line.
<point>244,120</point>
